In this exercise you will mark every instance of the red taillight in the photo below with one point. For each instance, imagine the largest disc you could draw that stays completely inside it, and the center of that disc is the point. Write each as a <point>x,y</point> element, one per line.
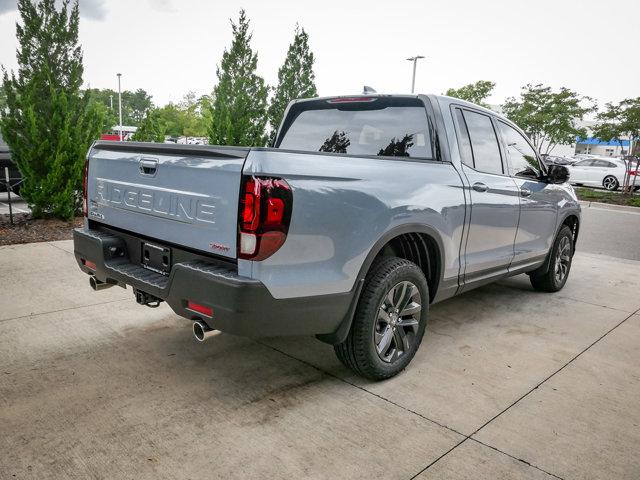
<point>196,307</point>
<point>265,212</point>
<point>89,264</point>
<point>85,206</point>
<point>275,211</point>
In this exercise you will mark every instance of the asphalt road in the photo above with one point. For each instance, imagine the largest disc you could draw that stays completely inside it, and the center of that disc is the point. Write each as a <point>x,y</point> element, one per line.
<point>610,232</point>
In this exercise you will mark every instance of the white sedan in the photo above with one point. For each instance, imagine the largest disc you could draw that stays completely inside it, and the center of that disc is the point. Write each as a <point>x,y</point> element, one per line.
<point>598,172</point>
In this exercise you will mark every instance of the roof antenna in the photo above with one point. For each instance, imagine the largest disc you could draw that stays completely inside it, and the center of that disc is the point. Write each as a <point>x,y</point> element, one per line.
<point>367,90</point>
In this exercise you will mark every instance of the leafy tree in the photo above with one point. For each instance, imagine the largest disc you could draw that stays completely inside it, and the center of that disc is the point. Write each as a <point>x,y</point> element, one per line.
<point>548,117</point>
<point>49,123</point>
<point>193,115</point>
<point>398,148</point>
<point>189,117</point>
<point>474,92</point>
<point>338,142</point>
<point>172,119</point>
<point>238,112</point>
<point>102,103</point>
<point>135,106</point>
<point>295,78</point>
<point>151,129</point>
<point>619,121</point>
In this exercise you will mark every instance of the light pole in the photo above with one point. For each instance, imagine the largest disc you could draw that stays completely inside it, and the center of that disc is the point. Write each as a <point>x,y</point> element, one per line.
<point>415,61</point>
<point>120,105</point>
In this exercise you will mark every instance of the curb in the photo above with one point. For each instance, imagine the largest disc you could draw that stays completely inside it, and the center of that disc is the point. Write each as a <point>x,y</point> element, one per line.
<point>608,206</point>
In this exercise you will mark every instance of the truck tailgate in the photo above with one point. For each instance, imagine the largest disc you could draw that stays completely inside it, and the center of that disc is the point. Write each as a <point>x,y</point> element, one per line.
<point>181,194</point>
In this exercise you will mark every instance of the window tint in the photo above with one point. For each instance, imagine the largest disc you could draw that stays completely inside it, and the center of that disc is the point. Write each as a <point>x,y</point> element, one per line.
<point>380,126</point>
<point>603,164</point>
<point>463,140</point>
<point>521,157</point>
<point>584,163</point>
<point>484,143</point>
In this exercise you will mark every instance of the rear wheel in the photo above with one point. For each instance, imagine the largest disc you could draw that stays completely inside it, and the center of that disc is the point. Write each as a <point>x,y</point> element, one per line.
<point>610,183</point>
<point>555,276</point>
<point>389,322</point>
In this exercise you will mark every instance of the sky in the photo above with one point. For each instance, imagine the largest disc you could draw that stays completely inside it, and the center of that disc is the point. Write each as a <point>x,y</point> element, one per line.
<point>170,47</point>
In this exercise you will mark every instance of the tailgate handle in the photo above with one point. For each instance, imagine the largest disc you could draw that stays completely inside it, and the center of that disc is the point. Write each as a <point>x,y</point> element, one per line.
<point>148,166</point>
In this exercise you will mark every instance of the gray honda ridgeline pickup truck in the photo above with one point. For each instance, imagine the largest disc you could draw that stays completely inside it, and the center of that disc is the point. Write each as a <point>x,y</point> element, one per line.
<point>367,210</point>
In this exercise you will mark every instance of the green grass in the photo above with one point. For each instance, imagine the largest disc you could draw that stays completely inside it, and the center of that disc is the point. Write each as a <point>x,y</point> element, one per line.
<point>603,196</point>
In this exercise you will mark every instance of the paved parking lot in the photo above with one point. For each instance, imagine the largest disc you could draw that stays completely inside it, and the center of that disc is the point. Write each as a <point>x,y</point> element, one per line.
<point>509,383</point>
<point>17,204</point>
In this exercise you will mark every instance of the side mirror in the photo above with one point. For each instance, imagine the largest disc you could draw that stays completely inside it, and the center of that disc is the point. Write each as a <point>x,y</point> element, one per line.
<point>557,174</point>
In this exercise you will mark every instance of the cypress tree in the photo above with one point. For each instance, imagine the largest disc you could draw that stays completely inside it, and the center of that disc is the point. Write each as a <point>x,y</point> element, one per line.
<point>295,78</point>
<point>48,123</point>
<point>239,106</point>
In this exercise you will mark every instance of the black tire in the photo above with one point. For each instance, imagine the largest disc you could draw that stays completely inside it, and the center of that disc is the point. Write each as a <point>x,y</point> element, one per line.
<point>555,276</point>
<point>377,322</point>
<point>610,183</point>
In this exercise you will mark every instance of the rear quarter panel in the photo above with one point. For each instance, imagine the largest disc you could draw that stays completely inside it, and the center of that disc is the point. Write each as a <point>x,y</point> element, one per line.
<point>342,205</point>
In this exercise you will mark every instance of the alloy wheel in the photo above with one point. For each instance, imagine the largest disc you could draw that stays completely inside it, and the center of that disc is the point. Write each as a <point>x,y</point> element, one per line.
<point>563,259</point>
<point>397,323</point>
<point>610,183</point>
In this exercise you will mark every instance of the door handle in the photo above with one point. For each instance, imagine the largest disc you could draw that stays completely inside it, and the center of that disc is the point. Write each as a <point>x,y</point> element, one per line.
<point>148,166</point>
<point>525,192</point>
<point>480,187</point>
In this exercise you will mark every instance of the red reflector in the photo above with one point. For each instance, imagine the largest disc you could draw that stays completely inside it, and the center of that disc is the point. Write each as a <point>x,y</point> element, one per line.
<point>89,264</point>
<point>196,307</point>
<point>85,206</point>
<point>275,211</point>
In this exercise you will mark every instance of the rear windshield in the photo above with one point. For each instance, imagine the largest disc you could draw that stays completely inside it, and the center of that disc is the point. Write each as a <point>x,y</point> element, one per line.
<point>375,126</point>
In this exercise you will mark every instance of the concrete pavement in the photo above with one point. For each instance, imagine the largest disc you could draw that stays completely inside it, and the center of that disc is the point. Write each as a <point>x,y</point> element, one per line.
<point>509,383</point>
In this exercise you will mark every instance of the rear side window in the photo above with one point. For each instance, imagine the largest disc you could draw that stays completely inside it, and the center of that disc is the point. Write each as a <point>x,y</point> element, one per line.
<point>379,126</point>
<point>584,163</point>
<point>484,143</point>
<point>603,164</point>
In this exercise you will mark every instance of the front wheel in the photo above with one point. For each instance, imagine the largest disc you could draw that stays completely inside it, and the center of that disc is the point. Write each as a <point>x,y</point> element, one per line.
<point>610,183</point>
<point>555,276</point>
<point>389,322</point>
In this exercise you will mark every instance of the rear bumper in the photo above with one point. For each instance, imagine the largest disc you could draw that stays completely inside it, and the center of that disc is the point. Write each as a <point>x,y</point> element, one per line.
<point>241,305</point>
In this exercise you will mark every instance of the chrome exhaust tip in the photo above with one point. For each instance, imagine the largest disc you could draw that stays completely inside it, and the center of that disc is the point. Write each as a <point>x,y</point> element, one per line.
<point>202,331</point>
<point>97,284</point>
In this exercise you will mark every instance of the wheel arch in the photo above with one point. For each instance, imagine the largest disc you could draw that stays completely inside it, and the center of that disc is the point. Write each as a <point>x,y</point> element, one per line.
<point>418,243</point>
<point>571,220</point>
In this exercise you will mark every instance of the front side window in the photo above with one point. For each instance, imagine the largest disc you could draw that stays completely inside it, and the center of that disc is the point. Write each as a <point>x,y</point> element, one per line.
<point>484,143</point>
<point>521,157</point>
<point>380,126</point>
